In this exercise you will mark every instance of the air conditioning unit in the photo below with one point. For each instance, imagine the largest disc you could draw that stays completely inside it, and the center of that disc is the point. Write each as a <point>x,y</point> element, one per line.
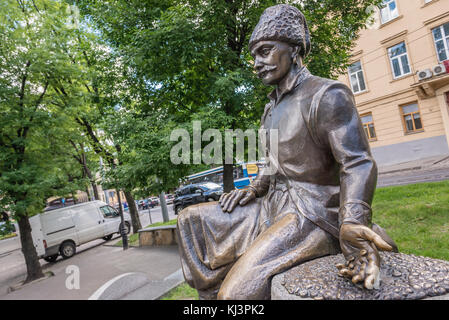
<point>439,69</point>
<point>425,74</point>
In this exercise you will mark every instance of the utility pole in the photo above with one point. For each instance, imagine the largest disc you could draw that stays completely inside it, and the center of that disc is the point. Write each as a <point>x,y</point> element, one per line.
<point>164,207</point>
<point>122,224</point>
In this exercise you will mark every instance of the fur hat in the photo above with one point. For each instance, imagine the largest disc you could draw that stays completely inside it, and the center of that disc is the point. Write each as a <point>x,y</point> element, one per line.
<point>283,23</point>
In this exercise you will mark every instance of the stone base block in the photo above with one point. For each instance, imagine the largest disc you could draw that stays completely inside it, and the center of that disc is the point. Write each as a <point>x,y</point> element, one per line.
<point>403,277</point>
<point>158,236</point>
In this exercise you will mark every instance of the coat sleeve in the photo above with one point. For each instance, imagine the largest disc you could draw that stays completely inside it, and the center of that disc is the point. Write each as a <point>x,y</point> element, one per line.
<point>340,130</point>
<point>261,183</point>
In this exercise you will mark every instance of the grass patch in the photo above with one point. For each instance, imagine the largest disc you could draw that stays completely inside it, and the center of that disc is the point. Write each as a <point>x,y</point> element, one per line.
<point>416,217</point>
<point>160,224</point>
<point>181,292</point>
<point>133,240</point>
<point>11,235</point>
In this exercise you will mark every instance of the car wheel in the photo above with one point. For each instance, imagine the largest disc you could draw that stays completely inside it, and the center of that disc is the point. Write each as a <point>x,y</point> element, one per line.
<point>67,250</point>
<point>51,258</point>
<point>108,237</point>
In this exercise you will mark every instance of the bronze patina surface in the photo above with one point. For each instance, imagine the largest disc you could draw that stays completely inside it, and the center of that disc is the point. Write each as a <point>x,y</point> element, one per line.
<point>316,202</point>
<point>404,277</point>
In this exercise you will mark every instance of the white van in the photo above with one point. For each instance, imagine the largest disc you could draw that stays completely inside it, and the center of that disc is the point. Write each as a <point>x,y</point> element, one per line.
<point>60,231</point>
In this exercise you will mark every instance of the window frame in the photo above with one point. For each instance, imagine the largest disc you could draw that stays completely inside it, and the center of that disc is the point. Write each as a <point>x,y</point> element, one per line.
<point>403,115</point>
<point>358,78</point>
<point>445,39</point>
<point>112,211</point>
<point>400,61</point>
<point>390,17</point>
<point>367,126</point>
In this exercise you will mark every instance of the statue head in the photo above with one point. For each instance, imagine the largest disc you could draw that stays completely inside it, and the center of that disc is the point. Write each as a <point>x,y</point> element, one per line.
<point>281,39</point>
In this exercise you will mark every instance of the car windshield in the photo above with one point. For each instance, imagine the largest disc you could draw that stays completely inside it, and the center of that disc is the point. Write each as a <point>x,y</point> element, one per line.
<point>210,185</point>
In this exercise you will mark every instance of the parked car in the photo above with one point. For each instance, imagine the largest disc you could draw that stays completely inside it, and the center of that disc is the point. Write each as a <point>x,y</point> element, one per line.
<point>154,201</point>
<point>60,231</point>
<point>169,198</point>
<point>143,204</point>
<point>196,193</point>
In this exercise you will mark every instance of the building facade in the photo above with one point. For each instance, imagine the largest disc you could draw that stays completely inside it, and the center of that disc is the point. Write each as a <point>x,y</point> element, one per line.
<point>400,78</point>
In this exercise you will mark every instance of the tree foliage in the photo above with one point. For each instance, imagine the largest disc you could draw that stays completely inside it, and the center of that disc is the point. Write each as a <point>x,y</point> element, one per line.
<point>34,164</point>
<point>191,56</point>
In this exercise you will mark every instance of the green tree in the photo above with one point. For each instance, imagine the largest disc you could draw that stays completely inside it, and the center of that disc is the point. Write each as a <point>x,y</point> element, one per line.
<point>194,53</point>
<point>33,163</point>
<point>91,99</point>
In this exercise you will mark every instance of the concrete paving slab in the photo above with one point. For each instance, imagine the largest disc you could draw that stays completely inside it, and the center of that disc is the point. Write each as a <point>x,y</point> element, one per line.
<point>96,267</point>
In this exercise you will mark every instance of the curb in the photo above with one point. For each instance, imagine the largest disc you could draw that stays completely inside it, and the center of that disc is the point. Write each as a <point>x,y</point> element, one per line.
<point>137,286</point>
<point>47,274</point>
<point>401,170</point>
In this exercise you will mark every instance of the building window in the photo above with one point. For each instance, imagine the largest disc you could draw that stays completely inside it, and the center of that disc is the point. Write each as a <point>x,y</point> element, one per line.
<point>411,118</point>
<point>441,38</point>
<point>356,77</point>
<point>368,126</point>
<point>389,10</point>
<point>399,60</point>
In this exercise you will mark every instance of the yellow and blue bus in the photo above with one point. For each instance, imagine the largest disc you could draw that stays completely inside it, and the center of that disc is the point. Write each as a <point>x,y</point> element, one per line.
<point>244,173</point>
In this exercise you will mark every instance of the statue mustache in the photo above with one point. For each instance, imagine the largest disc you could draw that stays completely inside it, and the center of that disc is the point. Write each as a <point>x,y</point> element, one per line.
<point>266,69</point>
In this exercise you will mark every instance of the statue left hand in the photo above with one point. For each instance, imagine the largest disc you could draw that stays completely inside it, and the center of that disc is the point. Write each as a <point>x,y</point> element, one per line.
<point>360,247</point>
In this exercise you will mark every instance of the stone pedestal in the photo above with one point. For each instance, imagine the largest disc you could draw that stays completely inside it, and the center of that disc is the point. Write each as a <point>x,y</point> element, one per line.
<point>403,277</point>
<point>158,236</point>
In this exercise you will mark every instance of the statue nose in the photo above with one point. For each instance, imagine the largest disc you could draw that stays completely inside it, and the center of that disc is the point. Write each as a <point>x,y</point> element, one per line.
<point>258,64</point>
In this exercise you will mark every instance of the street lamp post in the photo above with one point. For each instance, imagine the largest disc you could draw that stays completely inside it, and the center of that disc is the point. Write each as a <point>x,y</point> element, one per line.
<point>164,207</point>
<point>122,224</point>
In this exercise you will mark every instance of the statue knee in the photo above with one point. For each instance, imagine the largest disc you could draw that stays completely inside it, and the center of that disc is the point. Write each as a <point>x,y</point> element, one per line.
<point>226,293</point>
<point>186,215</point>
<point>235,286</point>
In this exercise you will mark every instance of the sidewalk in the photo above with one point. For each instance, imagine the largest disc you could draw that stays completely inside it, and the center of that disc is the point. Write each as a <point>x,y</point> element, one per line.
<point>160,266</point>
<point>98,262</point>
<point>422,164</point>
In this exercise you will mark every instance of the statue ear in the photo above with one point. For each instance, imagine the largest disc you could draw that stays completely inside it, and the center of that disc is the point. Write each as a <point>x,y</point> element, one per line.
<point>296,54</point>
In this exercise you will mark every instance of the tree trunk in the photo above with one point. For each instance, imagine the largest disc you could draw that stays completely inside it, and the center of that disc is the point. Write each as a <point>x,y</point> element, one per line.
<point>95,189</point>
<point>34,269</point>
<point>92,181</point>
<point>89,196</point>
<point>133,211</point>
<point>228,177</point>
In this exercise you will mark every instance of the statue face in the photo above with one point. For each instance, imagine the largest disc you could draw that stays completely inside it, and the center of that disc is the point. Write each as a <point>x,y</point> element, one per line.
<point>273,60</point>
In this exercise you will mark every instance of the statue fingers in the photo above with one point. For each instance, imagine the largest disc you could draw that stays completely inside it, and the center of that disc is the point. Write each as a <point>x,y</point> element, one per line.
<point>222,197</point>
<point>380,243</point>
<point>360,274</point>
<point>232,201</point>
<point>247,198</point>
<point>372,280</point>
<point>226,200</point>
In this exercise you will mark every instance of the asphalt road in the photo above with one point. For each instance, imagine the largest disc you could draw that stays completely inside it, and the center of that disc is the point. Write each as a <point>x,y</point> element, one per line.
<point>411,177</point>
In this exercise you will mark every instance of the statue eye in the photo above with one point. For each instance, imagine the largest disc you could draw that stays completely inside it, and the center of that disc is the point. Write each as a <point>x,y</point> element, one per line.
<point>265,51</point>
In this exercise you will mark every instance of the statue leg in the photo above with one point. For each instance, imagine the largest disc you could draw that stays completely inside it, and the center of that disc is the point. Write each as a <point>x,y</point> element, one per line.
<point>210,241</point>
<point>290,241</point>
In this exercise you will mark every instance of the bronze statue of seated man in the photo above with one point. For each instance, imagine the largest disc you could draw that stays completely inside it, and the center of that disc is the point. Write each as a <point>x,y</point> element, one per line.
<point>318,200</point>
